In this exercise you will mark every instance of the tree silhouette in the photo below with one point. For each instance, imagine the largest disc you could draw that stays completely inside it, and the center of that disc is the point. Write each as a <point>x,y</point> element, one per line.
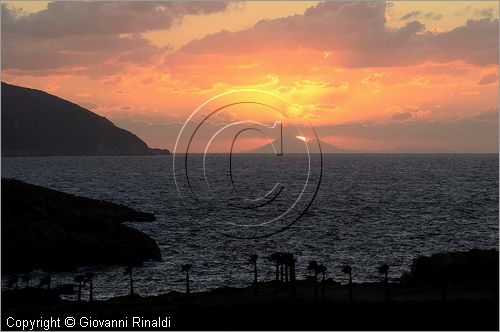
<point>187,268</point>
<point>313,266</point>
<point>276,258</point>
<point>79,279</point>
<point>282,267</point>
<point>253,260</point>
<point>286,264</point>
<point>129,271</point>
<point>322,269</point>
<point>13,281</point>
<point>26,278</point>
<point>45,281</point>
<point>90,278</point>
<point>289,260</point>
<point>348,270</point>
<point>384,269</point>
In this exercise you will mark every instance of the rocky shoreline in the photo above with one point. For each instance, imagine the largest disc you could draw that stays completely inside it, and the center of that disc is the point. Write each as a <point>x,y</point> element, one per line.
<point>50,230</point>
<point>54,231</point>
<point>274,308</point>
<point>415,301</point>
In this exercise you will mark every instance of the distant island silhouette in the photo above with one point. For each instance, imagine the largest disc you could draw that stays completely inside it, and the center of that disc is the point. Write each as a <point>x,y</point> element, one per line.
<point>292,144</point>
<point>35,123</point>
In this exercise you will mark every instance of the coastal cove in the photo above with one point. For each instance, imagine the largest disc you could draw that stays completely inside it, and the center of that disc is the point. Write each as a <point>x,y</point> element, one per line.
<point>432,204</point>
<point>43,229</point>
<point>250,165</point>
<point>282,305</point>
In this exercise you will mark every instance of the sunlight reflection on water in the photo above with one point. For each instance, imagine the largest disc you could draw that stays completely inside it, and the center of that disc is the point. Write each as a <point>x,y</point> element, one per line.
<point>370,208</point>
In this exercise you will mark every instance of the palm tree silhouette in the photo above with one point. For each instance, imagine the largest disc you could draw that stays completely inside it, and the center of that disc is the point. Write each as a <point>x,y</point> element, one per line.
<point>276,257</point>
<point>45,281</point>
<point>13,281</point>
<point>313,266</point>
<point>90,277</point>
<point>282,267</point>
<point>322,269</point>
<point>26,278</point>
<point>286,264</point>
<point>289,260</point>
<point>253,260</point>
<point>79,279</point>
<point>348,270</point>
<point>187,268</point>
<point>129,271</point>
<point>384,269</point>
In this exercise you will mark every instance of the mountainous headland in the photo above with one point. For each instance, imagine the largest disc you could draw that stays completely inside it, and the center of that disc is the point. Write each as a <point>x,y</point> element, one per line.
<point>51,230</point>
<point>35,123</point>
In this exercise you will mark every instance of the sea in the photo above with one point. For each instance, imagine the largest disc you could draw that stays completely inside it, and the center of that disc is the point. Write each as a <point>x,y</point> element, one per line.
<point>356,209</point>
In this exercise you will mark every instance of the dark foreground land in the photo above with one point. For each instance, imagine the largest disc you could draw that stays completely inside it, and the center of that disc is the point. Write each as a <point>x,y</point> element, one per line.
<point>54,231</point>
<point>277,309</point>
<point>49,230</point>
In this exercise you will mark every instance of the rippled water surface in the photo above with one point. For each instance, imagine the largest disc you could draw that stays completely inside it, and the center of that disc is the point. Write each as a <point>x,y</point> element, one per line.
<point>369,209</point>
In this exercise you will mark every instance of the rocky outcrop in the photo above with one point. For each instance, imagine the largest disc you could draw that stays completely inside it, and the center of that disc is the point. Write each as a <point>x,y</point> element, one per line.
<point>160,152</point>
<point>35,123</point>
<point>468,269</point>
<point>50,230</point>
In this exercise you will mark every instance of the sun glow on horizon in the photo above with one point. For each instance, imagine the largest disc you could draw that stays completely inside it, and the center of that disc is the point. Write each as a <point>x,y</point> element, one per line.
<point>355,70</point>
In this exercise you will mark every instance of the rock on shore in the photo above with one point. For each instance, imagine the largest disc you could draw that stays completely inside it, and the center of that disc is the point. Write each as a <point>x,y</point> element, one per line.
<point>50,230</point>
<point>468,269</point>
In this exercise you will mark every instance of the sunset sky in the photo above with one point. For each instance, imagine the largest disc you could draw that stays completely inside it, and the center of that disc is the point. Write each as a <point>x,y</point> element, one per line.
<point>378,76</point>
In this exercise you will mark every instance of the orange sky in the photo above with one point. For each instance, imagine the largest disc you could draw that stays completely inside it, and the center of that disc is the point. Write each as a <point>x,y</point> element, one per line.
<point>373,76</point>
